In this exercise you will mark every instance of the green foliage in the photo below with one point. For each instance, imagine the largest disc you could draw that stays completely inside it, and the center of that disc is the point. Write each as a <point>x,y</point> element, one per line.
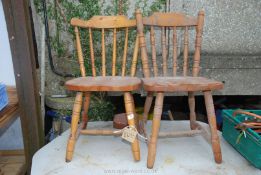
<point>60,12</point>
<point>101,109</point>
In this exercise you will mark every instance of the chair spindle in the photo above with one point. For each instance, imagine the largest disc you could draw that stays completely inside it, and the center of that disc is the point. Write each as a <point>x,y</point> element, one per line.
<point>125,52</point>
<point>164,51</point>
<point>79,52</point>
<point>199,30</point>
<point>185,52</point>
<point>175,66</point>
<point>103,54</point>
<point>114,52</point>
<point>92,53</point>
<point>153,51</point>
<point>135,57</point>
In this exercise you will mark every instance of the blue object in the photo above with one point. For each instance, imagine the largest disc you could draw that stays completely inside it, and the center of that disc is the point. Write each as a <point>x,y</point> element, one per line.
<point>3,96</point>
<point>56,115</point>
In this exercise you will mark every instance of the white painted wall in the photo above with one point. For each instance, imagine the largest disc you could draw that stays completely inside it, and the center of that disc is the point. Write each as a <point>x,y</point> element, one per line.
<point>12,137</point>
<point>6,64</point>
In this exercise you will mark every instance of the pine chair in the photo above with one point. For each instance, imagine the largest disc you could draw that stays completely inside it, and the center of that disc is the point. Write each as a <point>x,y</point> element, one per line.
<point>170,82</point>
<point>85,85</point>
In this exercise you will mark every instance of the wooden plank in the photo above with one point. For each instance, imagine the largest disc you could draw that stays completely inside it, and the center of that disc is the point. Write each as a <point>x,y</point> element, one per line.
<point>23,57</point>
<point>12,162</point>
<point>10,112</point>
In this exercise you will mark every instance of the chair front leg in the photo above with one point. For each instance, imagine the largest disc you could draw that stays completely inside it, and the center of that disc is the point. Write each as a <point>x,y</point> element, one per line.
<point>192,114</point>
<point>86,105</point>
<point>129,107</point>
<point>155,129</point>
<point>74,126</point>
<point>213,126</point>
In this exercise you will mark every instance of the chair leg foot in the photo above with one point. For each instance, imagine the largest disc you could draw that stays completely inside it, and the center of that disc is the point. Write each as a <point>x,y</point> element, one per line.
<point>70,149</point>
<point>213,126</point>
<point>155,130</point>
<point>153,143</point>
<point>74,126</point>
<point>129,107</point>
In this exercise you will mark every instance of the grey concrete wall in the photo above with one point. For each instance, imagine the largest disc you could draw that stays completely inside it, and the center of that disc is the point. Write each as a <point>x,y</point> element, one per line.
<point>231,48</point>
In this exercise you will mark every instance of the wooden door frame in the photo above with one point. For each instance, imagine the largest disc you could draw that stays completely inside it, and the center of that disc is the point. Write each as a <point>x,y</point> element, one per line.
<point>21,43</point>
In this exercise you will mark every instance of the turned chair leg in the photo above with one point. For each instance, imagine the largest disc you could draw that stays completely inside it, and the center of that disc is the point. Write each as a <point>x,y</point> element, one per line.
<point>155,129</point>
<point>74,126</point>
<point>192,114</point>
<point>213,126</point>
<point>146,111</point>
<point>129,107</point>
<point>86,105</point>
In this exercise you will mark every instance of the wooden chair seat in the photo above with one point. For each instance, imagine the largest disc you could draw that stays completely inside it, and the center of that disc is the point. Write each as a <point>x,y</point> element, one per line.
<point>100,83</point>
<point>170,84</point>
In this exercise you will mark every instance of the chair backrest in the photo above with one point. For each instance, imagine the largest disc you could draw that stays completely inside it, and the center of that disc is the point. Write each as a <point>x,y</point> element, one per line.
<point>171,21</point>
<point>104,24</point>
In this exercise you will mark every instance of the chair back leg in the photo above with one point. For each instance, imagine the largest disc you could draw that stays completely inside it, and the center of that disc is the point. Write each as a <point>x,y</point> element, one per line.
<point>192,114</point>
<point>146,111</point>
<point>86,105</point>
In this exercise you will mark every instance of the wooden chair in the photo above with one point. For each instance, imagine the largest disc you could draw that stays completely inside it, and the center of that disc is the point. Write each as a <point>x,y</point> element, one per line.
<point>170,82</point>
<point>85,85</point>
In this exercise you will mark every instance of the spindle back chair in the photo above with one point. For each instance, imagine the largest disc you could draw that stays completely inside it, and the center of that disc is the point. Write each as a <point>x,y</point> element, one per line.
<point>105,82</point>
<point>169,82</point>
<point>172,21</point>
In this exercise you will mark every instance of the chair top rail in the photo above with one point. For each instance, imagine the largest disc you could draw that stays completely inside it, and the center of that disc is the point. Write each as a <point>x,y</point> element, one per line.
<point>106,22</point>
<point>170,20</point>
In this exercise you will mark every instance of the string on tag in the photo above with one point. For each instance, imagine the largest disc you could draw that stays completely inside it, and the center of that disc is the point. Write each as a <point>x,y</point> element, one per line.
<point>145,139</point>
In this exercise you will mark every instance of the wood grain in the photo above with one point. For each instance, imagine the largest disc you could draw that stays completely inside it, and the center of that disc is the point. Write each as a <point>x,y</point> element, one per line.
<point>185,52</point>
<point>164,51</point>
<point>129,108</point>
<point>135,58</point>
<point>175,53</point>
<point>74,126</point>
<point>199,31</point>
<point>92,53</point>
<point>108,83</point>
<point>169,20</point>
<point>79,52</point>
<point>114,52</point>
<point>105,22</point>
<point>12,162</point>
<point>10,113</point>
<point>103,54</point>
<point>213,126</point>
<point>142,42</point>
<point>124,58</point>
<point>185,84</point>
<point>153,51</point>
<point>155,129</point>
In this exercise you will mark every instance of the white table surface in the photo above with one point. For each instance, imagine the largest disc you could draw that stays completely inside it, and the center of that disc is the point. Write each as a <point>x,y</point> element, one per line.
<point>109,155</point>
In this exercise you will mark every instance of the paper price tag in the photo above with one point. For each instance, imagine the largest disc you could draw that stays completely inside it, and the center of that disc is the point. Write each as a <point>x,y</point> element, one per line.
<point>130,116</point>
<point>129,134</point>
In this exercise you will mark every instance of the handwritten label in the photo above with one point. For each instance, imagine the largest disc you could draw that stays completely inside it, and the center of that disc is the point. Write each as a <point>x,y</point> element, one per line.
<point>129,134</point>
